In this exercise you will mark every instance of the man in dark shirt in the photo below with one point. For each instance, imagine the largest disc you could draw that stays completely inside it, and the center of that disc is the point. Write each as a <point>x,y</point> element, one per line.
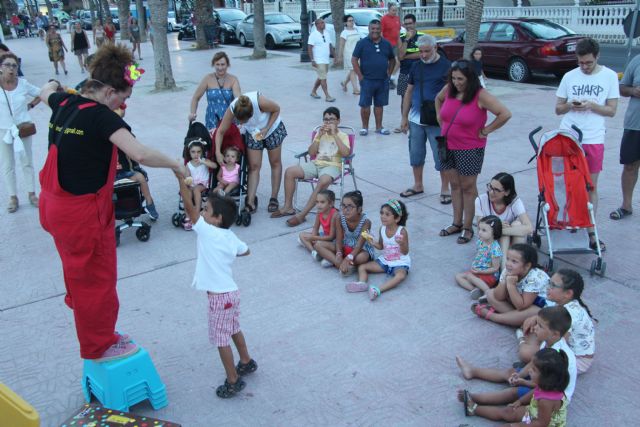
<point>373,61</point>
<point>408,54</point>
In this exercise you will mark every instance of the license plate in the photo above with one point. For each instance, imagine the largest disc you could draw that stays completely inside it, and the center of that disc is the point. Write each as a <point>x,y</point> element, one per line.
<point>571,47</point>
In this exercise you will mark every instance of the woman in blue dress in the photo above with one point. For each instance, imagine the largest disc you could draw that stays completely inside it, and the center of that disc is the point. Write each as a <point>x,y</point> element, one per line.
<point>221,88</point>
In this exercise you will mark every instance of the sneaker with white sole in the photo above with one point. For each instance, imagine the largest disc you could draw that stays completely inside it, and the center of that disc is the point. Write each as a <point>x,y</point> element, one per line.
<point>326,264</point>
<point>314,255</point>
<point>153,213</point>
<point>476,293</point>
<point>357,287</point>
<point>373,293</point>
<point>119,350</point>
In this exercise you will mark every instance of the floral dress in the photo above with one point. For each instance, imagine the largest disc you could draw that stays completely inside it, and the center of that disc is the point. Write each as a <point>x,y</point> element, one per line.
<point>56,51</point>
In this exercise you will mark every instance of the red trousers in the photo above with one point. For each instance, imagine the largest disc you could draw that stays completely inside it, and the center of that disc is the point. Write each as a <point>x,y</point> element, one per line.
<point>82,228</point>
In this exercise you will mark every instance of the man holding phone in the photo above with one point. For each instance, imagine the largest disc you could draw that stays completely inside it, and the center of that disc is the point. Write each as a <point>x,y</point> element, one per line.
<point>586,96</point>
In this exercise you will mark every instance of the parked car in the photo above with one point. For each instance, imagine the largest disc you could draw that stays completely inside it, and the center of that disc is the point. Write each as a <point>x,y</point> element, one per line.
<point>115,18</point>
<point>172,23</point>
<point>279,29</point>
<point>187,32</point>
<point>362,17</point>
<point>229,19</point>
<point>85,19</point>
<point>520,47</point>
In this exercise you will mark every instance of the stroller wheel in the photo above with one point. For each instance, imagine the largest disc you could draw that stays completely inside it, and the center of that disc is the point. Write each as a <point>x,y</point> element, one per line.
<point>175,220</point>
<point>239,218</point>
<point>117,237</point>
<point>603,268</point>
<point>246,219</point>
<point>143,233</point>
<point>594,265</point>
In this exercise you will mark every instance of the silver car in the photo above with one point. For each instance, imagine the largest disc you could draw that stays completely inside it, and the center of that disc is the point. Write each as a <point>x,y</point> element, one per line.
<point>279,29</point>
<point>362,17</point>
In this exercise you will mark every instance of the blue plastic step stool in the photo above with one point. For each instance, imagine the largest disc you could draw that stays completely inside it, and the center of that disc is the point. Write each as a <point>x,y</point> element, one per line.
<point>121,383</point>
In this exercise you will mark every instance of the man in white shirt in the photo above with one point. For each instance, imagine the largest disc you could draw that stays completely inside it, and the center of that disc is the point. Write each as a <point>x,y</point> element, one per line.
<point>320,49</point>
<point>586,96</point>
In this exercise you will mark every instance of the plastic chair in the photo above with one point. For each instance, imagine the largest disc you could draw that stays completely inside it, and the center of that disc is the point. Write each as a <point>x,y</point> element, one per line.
<point>16,412</point>
<point>346,166</point>
<point>121,383</point>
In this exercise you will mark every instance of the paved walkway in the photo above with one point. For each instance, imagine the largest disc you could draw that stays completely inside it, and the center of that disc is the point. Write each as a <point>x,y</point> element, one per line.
<point>326,357</point>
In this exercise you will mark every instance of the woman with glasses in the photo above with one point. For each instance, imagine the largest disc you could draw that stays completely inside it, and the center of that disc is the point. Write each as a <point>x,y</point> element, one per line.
<point>19,96</point>
<point>462,107</point>
<point>76,205</point>
<point>502,201</point>
<point>349,37</point>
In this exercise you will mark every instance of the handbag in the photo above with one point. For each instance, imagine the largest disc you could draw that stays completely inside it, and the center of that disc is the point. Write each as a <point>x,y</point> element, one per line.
<point>444,154</point>
<point>428,115</point>
<point>25,129</point>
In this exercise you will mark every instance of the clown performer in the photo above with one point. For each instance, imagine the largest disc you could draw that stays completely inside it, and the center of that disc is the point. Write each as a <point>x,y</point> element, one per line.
<point>76,205</point>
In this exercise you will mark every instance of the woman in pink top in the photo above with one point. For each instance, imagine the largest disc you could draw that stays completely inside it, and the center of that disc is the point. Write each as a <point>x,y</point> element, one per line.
<point>462,107</point>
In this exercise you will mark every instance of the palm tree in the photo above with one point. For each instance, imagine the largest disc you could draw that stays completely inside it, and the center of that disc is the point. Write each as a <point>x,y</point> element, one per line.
<point>123,17</point>
<point>337,13</point>
<point>203,11</point>
<point>161,60</point>
<point>259,51</point>
<point>472,18</point>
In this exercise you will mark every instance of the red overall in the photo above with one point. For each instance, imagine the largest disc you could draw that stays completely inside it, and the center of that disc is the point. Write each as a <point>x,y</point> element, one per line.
<point>83,231</point>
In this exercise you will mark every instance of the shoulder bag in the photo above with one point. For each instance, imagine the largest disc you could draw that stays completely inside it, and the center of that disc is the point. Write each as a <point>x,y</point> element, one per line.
<point>428,114</point>
<point>25,129</point>
<point>444,153</point>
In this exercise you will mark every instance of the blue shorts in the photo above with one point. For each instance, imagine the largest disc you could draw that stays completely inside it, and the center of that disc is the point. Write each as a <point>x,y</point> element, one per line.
<point>391,271</point>
<point>418,136</point>
<point>540,302</point>
<point>522,390</point>
<point>124,174</point>
<point>376,91</point>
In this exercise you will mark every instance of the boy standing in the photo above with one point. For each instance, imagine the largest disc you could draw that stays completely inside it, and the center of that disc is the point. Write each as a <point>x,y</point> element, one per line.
<point>217,248</point>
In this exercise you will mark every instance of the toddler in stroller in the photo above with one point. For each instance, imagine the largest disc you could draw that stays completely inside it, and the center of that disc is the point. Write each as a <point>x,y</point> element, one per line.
<point>198,176</point>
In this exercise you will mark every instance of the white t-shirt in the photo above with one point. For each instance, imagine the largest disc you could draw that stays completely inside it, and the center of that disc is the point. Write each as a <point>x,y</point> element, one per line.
<point>561,344</point>
<point>597,88</point>
<point>259,119</point>
<point>582,333</point>
<point>217,249</point>
<point>321,43</point>
<point>510,214</point>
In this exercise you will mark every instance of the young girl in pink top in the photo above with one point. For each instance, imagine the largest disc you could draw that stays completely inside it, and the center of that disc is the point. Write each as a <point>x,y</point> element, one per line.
<point>323,229</point>
<point>229,173</point>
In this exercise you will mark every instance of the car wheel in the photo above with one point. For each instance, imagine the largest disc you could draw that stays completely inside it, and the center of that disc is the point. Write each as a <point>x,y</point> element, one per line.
<point>518,70</point>
<point>243,40</point>
<point>270,43</point>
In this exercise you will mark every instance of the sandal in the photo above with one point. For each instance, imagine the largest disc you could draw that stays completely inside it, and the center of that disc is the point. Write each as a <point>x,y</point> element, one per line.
<point>294,221</point>
<point>251,208</point>
<point>462,239</point>
<point>619,214</point>
<point>468,412</point>
<point>33,199</point>
<point>273,205</point>
<point>446,232</point>
<point>592,243</point>
<point>364,132</point>
<point>228,390</point>
<point>280,214</point>
<point>13,204</point>
<point>383,131</point>
<point>356,287</point>
<point>246,368</point>
<point>410,192</point>
<point>477,309</point>
<point>344,86</point>
<point>445,199</point>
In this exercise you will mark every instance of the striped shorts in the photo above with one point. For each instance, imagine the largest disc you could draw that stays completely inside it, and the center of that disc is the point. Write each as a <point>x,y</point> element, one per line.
<point>224,314</point>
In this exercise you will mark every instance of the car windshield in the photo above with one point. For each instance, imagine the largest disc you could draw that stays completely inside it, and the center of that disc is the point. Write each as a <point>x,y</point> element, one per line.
<point>546,30</point>
<point>231,14</point>
<point>278,19</point>
<point>363,18</point>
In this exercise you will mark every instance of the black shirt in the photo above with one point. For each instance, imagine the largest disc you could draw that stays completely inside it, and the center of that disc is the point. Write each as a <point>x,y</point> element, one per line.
<point>84,152</point>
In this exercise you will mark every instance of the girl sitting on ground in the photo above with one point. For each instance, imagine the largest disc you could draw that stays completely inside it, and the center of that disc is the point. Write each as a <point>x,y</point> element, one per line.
<point>229,173</point>
<point>565,289</point>
<point>486,265</point>
<point>521,290</point>
<point>547,406</point>
<point>350,249</point>
<point>197,174</point>
<point>324,229</point>
<point>394,243</point>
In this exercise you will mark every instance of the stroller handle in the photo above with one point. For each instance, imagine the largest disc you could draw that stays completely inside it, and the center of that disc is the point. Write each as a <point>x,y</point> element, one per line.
<point>578,131</point>
<point>532,139</point>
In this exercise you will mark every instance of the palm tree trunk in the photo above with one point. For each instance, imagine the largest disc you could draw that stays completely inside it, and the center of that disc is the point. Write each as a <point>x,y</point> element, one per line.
<point>259,50</point>
<point>123,16</point>
<point>204,16</point>
<point>142,20</point>
<point>337,12</point>
<point>472,18</point>
<point>49,9</point>
<point>161,57</point>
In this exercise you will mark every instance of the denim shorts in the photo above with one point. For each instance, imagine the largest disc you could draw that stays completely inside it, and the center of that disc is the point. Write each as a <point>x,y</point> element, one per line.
<point>391,271</point>
<point>540,301</point>
<point>418,136</point>
<point>124,174</point>
<point>376,91</point>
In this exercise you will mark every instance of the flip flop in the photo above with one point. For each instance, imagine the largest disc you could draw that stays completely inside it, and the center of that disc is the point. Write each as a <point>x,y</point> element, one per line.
<point>364,132</point>
<point>330,99</point>
<point>465,400</point>
<point>315,95</point>
<point>383,131</point>
<point>344,86</point>
<point>295,221</point>
<point>619,213</point>
<point>397,130</point>
<point>445,199</point>
<point>410,192</point>
<point>280,214</point>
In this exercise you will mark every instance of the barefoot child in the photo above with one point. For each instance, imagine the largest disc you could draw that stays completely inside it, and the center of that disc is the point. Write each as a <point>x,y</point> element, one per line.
<point>552,324</point>
<point>324,229</point>
<point>349,249</point>
<point>565,289</point>
<point>486,264</point>
<point>217,248</point>
<point>394,243</point>
<point>229,173</point>
<point>198,170</point>
<point>521,290</point>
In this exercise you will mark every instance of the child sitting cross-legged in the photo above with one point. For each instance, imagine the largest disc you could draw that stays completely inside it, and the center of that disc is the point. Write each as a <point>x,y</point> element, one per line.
<point>324,228</point>
<point>551,325</point>
<point>217,249</point>
<point>565,289</point>
<point>394,243</point>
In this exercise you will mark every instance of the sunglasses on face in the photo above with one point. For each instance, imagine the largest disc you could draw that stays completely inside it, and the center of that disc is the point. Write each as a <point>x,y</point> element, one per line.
<point>461,64</point>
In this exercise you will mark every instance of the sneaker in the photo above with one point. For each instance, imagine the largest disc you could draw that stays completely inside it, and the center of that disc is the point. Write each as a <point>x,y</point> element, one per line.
<point>246,368</point>
<point>356,287</point>
<point>314,255</point>
<point>373,293</point>
<point>326,264</point>
<point>228,390</point>
<point>476,293</point>
<point>151,210</point>
<point>119,350</point>
<point>124,338</point>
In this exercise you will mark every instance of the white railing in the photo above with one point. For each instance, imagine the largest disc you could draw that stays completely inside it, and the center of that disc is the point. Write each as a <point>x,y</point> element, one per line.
<point>604,23</point>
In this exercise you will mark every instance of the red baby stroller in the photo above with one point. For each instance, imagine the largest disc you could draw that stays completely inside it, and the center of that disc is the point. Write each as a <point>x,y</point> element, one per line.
<point>564,183</point>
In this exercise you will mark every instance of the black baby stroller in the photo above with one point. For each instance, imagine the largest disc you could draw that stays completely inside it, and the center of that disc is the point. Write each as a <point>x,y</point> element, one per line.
<point>564,211</point>
<point>128,199</point>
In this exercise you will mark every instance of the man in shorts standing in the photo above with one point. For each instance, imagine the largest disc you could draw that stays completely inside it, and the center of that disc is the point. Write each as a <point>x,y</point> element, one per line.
<point>586,96</point>
<point>390,24</point>
<point>373,61</point>
<point>630,146</point>
<point>320,50</point>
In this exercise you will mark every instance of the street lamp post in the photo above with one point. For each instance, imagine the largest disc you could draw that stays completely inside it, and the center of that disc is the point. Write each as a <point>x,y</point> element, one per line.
<point>304,31</point>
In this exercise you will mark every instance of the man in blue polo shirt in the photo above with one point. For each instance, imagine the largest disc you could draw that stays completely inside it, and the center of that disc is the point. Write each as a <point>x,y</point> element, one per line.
<point>373,61</point>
